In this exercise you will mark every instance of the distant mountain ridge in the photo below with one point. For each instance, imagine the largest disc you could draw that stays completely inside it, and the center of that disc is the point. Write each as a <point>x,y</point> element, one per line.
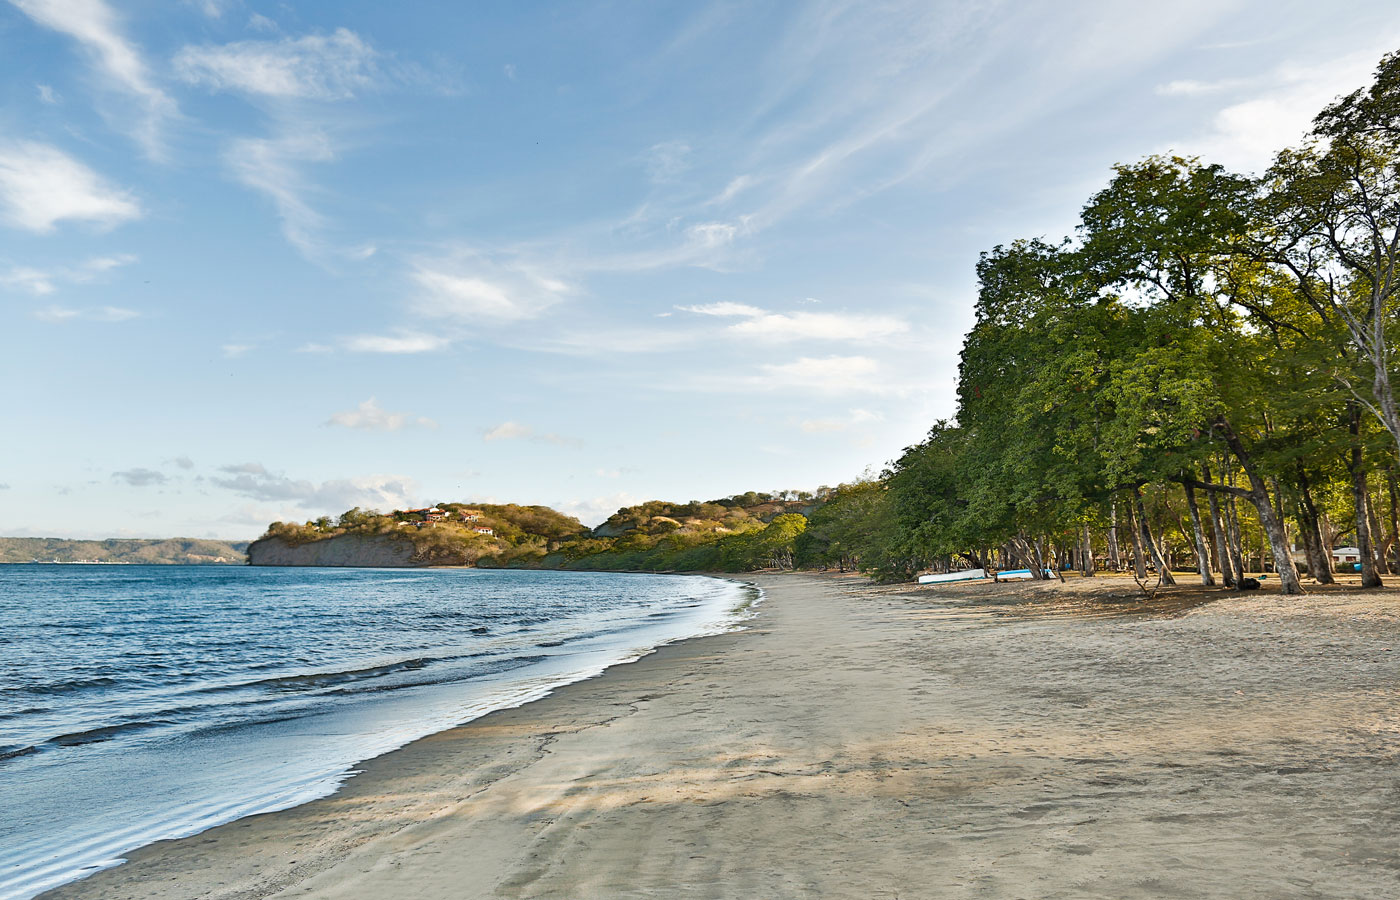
<point>150,551</point>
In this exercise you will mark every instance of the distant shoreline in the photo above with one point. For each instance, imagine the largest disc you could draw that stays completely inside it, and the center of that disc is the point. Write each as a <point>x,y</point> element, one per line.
<point>134,551</point>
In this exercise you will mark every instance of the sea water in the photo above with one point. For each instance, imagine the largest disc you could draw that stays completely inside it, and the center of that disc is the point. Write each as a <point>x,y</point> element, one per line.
<point>139,703</point>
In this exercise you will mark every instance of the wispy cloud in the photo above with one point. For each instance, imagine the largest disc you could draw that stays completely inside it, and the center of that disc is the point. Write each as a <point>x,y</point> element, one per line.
<point>60,314</point>
<point>255,481</point>
<point>313,67</point>
<point>762,325</point>
<point>273,167</point>
<point>291,79</point>
<point>469,287</point>
<point>41,186</point>
<point>46,281</point>
<point>399,342</point>
<point>514,431</point>
<point>370,417</point>
<point>98,29</point>
<point>723,308</point>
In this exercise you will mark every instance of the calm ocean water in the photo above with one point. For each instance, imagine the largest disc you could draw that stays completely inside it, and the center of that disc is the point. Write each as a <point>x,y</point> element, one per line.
<point>146,702</point>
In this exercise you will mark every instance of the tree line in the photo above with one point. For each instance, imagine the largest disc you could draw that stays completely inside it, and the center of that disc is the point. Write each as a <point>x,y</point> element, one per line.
<point>1200,372</point>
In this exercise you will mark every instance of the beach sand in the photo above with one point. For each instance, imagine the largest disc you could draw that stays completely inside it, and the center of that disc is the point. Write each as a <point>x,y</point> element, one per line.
<point>870,742</point>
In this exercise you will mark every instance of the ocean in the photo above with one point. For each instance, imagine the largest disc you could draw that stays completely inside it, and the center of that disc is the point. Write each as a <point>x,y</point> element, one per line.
<point>139,703</point>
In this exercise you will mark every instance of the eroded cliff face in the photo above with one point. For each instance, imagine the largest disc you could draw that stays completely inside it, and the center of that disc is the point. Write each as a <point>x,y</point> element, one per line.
<point>358,550</point>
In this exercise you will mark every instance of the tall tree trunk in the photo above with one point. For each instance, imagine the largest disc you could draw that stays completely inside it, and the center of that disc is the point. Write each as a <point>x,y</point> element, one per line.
<point>1202,554</point>
<point>1369,576</point>
<point>1139,561</point>
<point>1311,523</point>
<point>1380,541</point>
<point>1258,494</point>
<point>1157,560</point>
<point>1086,558</point>
<point>1232,524</point>
<point>1221,546</point>
<point>1311,552</point>
<point>1114,558</point>
<point>1394,492</point>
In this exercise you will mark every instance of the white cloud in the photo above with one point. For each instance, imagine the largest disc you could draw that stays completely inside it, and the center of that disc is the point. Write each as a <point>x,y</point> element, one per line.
<point>56,314</point>
<point>384,492</point>
<point>370,417</point>
<point>271,166</point>
<point>234,351</point>
<point>41,186</point>
<point>768,326</point>
<point>734,188</point>
<point>829,373</point>
<point>1247,133</point>
<point>818,326</point>
<point>514,431</point>
<point>94,25</point>
<point>36,281</point>
<point>402,342</point>
<point>46,93</point>
<point>723,308</point>
<point>712,235</point>
<point>1190,88</point>
<point>59,314</point>
<point>45,281</point>
<point>183,462</point>
<point>471,287</point>
<point>319,67</point>
<point>667,160</point>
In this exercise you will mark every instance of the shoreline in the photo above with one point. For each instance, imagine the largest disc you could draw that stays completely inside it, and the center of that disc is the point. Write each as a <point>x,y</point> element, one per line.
<point>361,780</point>
<point>856,741</point>
<point>719,608</point>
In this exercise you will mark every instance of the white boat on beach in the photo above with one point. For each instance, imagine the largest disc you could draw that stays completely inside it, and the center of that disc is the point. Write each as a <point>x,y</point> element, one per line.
<point>964,575</point>
<point>1019,574</point>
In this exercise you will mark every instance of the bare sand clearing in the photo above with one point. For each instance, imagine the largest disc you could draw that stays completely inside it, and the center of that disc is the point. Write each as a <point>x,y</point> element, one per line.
<point>865,742</point>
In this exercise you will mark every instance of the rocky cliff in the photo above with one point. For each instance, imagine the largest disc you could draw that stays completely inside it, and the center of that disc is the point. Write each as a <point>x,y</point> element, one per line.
<point>390,551</point>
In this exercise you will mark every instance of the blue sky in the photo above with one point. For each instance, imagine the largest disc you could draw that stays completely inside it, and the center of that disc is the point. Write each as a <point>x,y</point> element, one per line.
<point>272,260</point>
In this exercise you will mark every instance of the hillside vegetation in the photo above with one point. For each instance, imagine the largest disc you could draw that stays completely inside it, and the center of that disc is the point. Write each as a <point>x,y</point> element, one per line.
<point>170,551</point>
<point>732,534</point>
<point>445,535</point>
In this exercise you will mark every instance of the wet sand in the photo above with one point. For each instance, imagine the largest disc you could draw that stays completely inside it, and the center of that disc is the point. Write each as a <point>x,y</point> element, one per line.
<point>974,741</point>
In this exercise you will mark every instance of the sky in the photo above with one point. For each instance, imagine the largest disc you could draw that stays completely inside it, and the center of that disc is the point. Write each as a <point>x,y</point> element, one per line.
<point>272,260</point>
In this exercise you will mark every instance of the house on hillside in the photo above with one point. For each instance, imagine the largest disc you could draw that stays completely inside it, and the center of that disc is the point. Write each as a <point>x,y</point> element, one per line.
<point>482,529</point>
<point>471,515</point>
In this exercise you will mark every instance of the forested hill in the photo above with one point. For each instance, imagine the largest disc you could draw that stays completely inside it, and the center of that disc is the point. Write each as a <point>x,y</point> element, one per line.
<point>170,551</point>
<point>737,533</point>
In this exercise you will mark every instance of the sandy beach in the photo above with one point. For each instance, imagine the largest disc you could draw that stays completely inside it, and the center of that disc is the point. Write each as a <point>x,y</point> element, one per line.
<point>855,741</point>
